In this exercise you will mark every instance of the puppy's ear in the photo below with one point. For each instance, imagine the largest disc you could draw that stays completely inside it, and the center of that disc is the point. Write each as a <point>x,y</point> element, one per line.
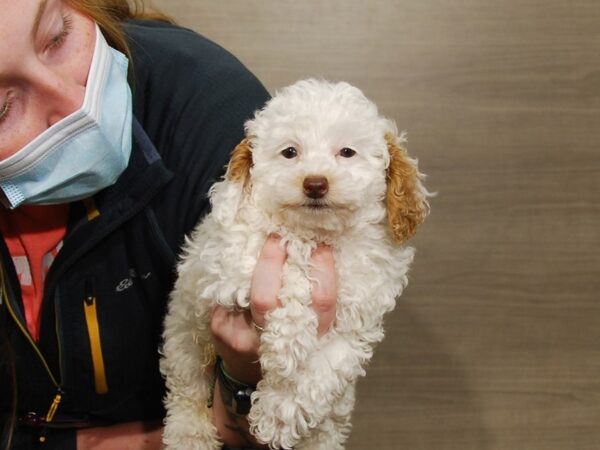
<point>406,198</point>
<point>238,169</point>
<point>227,195</point>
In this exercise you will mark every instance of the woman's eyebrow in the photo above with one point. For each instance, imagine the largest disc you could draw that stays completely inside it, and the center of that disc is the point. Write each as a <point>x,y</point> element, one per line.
<point>38,18</point>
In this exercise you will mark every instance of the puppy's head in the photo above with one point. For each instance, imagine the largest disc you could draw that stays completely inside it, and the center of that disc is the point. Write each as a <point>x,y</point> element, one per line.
<point>319,157</point>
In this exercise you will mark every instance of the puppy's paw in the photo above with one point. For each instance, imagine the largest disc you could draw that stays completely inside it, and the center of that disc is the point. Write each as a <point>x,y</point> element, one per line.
<point>277,419</point>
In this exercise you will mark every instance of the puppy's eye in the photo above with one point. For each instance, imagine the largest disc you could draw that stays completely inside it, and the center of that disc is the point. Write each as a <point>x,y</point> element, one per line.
<point>289,153</point>
<point>347,152</point>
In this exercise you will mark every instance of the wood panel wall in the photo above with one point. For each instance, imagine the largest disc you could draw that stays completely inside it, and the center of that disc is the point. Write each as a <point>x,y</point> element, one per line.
<point>495,345</point>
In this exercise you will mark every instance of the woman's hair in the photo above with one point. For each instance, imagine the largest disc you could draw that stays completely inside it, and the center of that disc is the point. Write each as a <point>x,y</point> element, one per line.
<point>109,15</point>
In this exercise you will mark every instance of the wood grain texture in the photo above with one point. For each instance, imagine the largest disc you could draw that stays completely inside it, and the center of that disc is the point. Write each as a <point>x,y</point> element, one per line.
<point>496,342</point>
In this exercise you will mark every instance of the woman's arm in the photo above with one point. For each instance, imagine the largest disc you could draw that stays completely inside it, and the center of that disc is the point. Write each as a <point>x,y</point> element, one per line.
<point>124,436</point>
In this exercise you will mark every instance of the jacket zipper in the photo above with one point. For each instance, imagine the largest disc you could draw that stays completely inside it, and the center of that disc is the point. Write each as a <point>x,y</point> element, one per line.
<point>93,328</point>
<point>58,397</point>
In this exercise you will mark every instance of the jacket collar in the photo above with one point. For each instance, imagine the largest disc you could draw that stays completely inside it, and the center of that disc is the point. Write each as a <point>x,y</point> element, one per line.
<point>144,177</point>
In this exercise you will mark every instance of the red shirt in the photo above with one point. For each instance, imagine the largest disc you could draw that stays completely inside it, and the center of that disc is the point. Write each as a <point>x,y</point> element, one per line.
<point>33,235</point>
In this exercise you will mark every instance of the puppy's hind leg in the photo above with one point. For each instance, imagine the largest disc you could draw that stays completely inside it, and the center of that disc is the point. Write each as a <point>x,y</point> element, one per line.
<point>187,367</point>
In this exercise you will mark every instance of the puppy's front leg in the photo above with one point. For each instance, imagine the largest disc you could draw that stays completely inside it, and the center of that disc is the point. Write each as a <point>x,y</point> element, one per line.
<point>325,388</point>
<point>290,336</point>
<point>307,392</point>
<point>333,432</point>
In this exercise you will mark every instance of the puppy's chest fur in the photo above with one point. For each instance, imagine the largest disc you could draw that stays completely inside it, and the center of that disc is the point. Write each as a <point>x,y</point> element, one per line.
<point>370,269</point>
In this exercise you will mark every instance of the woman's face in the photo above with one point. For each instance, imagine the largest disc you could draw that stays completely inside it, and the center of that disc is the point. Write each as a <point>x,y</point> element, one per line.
<point>46,49</point>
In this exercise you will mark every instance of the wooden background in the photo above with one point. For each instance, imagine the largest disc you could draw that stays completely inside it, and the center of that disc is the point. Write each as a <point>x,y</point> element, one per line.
<point>496,342</point>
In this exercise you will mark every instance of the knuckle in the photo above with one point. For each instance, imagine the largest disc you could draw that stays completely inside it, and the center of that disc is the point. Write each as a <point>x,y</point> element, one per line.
<point>216,325</point>
<point>261,305</point>
<point>323,302</point>
<point>272,250</point>
<point>241,346</point>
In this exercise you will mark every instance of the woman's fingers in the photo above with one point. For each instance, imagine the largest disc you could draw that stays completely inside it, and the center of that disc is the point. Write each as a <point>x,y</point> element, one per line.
<point>237,340</point>
<point>324,287</point>
<point>266,280</point>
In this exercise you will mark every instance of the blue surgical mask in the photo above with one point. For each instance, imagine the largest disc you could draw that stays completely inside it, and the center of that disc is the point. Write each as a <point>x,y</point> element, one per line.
<point>83,152</point>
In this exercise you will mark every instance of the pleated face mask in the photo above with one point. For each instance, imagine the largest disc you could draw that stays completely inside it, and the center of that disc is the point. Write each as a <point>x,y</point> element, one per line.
<point>85,151</point>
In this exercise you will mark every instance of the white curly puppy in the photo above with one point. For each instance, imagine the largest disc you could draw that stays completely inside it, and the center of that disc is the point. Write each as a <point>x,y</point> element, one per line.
<point>319,165</point>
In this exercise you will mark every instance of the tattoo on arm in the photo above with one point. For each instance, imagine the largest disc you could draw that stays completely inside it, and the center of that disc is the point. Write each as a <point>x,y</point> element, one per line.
<point>236,423</point>
<point>239,425</point>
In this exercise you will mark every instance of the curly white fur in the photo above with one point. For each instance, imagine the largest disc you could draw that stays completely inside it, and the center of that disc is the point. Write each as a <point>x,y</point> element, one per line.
<point>306,396</point>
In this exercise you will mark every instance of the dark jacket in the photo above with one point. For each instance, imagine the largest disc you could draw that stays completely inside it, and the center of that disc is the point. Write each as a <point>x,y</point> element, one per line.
<point>191,99</point>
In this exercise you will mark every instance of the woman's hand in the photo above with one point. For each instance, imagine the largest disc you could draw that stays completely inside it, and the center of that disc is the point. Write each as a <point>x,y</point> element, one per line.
<point>237,340</point>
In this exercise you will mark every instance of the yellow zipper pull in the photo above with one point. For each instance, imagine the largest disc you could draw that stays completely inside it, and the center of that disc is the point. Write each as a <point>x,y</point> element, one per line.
<point>93,327</point>
<point>92,209</point>
<point>50,414</point>
<point>53,407</point>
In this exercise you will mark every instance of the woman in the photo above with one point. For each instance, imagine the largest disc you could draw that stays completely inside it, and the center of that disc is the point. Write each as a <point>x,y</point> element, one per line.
<point>101,179</point>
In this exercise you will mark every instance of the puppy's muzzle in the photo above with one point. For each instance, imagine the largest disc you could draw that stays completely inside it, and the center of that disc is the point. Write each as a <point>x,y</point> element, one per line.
<point>315,187</point>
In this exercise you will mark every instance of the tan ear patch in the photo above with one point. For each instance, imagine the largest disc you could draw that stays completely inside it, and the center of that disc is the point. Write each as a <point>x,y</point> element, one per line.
<point>240,163</point>
<point>406,200</point>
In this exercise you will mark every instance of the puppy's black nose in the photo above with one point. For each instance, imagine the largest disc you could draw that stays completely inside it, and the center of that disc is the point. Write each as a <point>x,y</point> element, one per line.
<point>315,186</point>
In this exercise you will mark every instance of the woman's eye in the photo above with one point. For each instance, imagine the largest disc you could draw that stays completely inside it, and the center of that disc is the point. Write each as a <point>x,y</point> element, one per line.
<point>347,152</point>
<point>289,153</point>
<point>67,26</point>
<point>5,108</point>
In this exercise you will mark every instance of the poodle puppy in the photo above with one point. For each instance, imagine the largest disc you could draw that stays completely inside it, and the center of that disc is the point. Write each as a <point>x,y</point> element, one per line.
<point>318,165</point>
